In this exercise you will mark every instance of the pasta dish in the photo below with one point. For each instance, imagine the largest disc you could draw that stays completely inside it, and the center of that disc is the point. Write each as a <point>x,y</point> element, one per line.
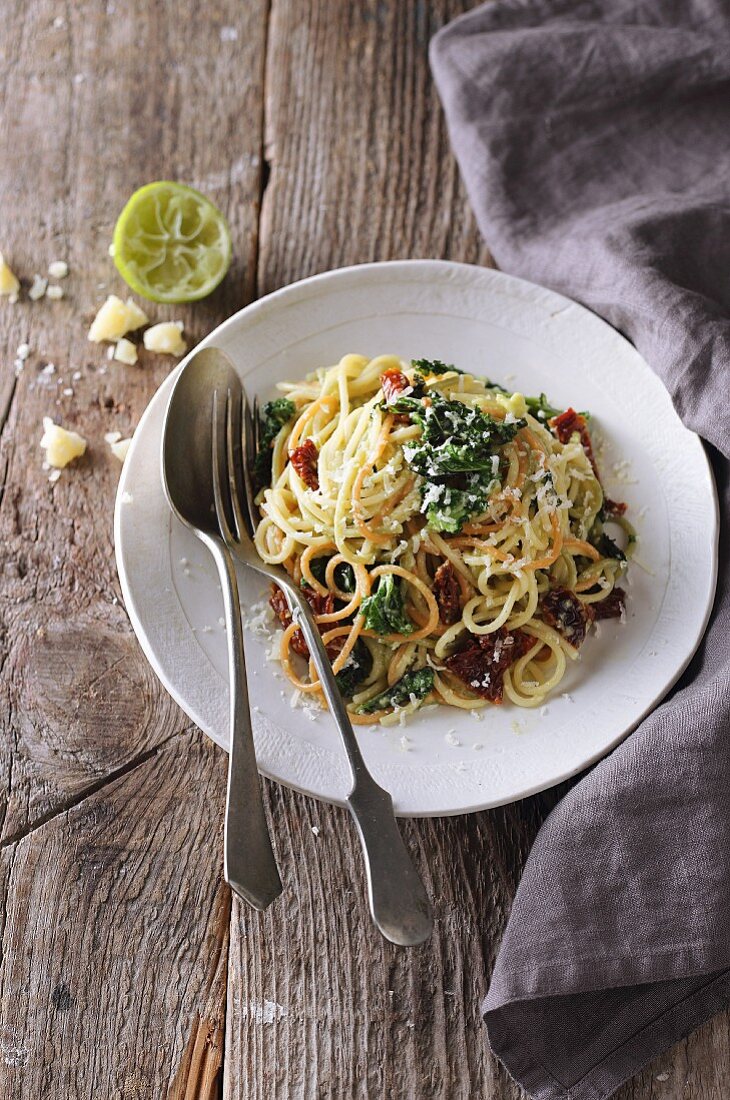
<point>450,536</point>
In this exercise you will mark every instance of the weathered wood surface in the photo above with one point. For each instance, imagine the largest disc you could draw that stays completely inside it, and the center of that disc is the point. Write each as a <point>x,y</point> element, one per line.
<point>124,971</point>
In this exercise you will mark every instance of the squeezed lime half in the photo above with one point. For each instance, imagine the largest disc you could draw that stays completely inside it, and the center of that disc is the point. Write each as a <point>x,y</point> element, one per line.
<point>171,244</point>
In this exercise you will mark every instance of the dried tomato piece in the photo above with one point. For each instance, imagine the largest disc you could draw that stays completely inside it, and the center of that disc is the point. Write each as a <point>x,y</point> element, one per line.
<point>447,591</point>
<point>483,661</point>
<point>612,607</point>
<point>320,605</point>
<point>304,460</point>
<point>394,383</point>
<point>561,609</point>
<point>614,508</point>
<point>278,604</point>
<point>569,422</point>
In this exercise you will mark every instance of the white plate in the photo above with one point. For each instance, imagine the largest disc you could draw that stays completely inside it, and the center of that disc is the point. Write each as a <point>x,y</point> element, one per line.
<point>527,338</point>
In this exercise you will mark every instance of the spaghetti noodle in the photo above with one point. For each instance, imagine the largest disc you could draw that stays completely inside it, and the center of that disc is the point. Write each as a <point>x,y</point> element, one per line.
<point>450,536</point>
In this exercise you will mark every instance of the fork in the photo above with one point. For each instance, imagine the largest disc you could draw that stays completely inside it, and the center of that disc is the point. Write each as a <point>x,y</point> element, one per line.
<point>398,901</point>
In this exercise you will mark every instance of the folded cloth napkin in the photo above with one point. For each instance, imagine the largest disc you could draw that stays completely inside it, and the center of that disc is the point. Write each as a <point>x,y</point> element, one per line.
<point>594,140</point>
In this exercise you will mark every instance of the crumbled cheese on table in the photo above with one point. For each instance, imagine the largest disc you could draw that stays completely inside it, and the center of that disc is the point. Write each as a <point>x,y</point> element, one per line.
<point>166,338</point>
<point>115,319</point>
<point>58,269</point>
<point>119,448</point>
<point>61,446</point>
<point>125,352</point>
<point>38,288</point>
<point>9,282</point>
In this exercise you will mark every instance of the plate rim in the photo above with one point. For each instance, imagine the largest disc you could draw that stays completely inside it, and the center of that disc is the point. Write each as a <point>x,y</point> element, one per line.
<point>268,302</point>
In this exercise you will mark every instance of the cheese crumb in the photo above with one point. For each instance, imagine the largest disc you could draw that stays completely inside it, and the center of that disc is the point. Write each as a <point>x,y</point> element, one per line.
<point>126,352</point>
<point>55,293</point>
<point>58,269</point>
<point>9,282</point>
<point>116,318</point>
<point>38,288</point>
<point>166,338</point>
<point>120,448</point>
<point>114,437</point>
<point>60,445</point>
<point>22,352</point>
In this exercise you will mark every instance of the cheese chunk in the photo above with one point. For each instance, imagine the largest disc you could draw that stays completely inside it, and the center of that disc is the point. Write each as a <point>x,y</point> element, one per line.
<point>115,319</point>
<point>9,283</point>
<point>126,352</point>
<point>166,338</point>
<point>119,448</point>
<point>58,269</point>
<point>61,446</point>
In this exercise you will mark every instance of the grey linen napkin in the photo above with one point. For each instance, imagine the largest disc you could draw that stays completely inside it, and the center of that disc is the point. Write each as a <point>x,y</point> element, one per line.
<point>594,140</point>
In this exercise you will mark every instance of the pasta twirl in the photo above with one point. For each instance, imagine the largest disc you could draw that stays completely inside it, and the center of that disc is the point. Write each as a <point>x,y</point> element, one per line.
<point>450,536</point>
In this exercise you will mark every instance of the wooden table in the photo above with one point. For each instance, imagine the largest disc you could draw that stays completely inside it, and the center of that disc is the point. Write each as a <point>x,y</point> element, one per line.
<point>126,971</point>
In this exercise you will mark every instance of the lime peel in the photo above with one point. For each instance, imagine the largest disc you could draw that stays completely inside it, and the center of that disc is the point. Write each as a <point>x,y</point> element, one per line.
<point>171,244</point>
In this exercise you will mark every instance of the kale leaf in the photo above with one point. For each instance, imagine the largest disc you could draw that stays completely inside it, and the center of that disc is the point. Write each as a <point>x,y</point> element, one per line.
<point>448,508</point>
<point>417,683</point>
<point>275,415</point>
<point>358,668</point>
<point>455,438</point>
<point>606,546</point>
<point>384,612</point>
<point>344,573</point>
<point>541,405</point>
<point>434,366</point>
<point>457,456</point>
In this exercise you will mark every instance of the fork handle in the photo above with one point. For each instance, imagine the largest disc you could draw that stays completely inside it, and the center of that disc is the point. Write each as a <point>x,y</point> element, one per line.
<point>398,900</point>
<point>248,862</point>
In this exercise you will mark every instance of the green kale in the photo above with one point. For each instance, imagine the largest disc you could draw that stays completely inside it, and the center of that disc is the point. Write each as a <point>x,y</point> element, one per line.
<point>457,457</point>
<point>344,573</point>
<point>275,415</point>
<point>434,366</point>
<point>455,438</point>
<point>418,683</point>
<point>345,577</point>
<point>358,668</point>
<point>541,407</point>
<point>447,508</point>
<point>384,611</point>
<point>606,546</point>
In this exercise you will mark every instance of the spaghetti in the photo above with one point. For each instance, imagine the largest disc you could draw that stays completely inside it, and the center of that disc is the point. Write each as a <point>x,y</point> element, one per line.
<point>450,536</point>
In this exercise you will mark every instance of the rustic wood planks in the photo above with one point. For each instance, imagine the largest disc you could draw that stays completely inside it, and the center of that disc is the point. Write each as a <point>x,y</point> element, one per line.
<point>124,971</point>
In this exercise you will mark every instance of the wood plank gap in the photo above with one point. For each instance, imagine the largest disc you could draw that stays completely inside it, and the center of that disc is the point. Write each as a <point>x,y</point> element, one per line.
<point>264,162</point>
<point>92,789</point>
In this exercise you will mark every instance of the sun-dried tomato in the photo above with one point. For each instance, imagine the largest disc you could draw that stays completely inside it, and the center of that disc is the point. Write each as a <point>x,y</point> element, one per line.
<point>561,609</point>
<point>569,422</point>
<point>612,607</point>
<point>613,508</point>
<point>394,383</point>
<point>483,661</point>
<point>448,593</point>
<point>320,605</point>
<point>304,460</point>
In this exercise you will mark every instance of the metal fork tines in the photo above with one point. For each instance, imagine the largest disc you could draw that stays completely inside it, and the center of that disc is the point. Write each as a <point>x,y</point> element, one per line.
<point>398,901</point>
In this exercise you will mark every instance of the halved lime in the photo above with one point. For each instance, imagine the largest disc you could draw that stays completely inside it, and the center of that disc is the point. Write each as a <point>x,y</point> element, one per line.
<point>171,244</point>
